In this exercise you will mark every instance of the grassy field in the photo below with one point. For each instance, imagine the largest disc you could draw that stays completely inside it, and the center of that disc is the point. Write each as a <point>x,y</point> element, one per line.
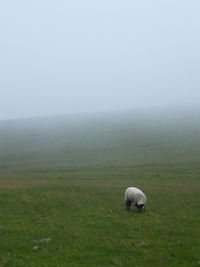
<point>62,183</point>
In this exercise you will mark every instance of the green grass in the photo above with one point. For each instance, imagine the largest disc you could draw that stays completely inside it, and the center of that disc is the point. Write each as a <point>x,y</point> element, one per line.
<point>64,179</point>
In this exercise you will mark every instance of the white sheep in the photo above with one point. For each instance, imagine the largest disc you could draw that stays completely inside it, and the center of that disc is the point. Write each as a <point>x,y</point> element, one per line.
<point>135,195</point>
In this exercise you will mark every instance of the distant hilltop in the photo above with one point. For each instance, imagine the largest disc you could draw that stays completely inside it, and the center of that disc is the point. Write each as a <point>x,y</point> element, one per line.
<point>129,138</point>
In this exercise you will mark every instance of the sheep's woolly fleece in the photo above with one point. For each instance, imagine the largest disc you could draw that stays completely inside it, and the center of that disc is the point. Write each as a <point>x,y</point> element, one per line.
<point>135,195</point>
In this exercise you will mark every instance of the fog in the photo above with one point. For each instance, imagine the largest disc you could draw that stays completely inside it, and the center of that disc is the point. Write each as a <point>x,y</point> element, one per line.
<point>78,56</point>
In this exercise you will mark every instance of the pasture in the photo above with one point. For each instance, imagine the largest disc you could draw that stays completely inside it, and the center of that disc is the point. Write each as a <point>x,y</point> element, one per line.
<point>62,183</point>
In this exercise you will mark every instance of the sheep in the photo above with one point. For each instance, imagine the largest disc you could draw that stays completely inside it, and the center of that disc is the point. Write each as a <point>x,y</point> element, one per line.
<point>135,195</point>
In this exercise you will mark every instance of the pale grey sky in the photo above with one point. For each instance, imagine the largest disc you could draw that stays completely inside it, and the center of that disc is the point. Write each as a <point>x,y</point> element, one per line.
<point>77,56</point>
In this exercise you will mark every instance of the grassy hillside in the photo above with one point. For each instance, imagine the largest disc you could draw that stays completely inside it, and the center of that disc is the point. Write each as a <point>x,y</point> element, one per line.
<point>122,139</point>
<point>64,178</point>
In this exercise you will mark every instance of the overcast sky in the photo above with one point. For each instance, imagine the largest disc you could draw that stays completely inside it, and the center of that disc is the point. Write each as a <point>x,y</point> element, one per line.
<point>77,56</point>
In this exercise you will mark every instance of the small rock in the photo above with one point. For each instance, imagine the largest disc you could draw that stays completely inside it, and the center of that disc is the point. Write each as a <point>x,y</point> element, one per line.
<point>45,240</point>
<point>141,244</point>
<point>35,248</point>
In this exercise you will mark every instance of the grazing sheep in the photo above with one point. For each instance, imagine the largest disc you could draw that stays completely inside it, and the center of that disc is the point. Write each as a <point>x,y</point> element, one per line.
<point>135,195</point>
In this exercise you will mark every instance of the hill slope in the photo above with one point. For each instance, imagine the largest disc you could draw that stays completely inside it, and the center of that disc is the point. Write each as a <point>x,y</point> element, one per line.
<point>118,139</point>
<point>62,183</point>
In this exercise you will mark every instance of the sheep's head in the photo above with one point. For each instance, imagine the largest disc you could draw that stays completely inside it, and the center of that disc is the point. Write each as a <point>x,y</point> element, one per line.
<point>141,208</point>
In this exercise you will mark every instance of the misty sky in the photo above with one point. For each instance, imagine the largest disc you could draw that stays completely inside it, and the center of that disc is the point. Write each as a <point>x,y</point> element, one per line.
<point>81,56</point>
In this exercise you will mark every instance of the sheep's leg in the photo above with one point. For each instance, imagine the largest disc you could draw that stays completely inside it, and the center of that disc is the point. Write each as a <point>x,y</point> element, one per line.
<point>128,204</point>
